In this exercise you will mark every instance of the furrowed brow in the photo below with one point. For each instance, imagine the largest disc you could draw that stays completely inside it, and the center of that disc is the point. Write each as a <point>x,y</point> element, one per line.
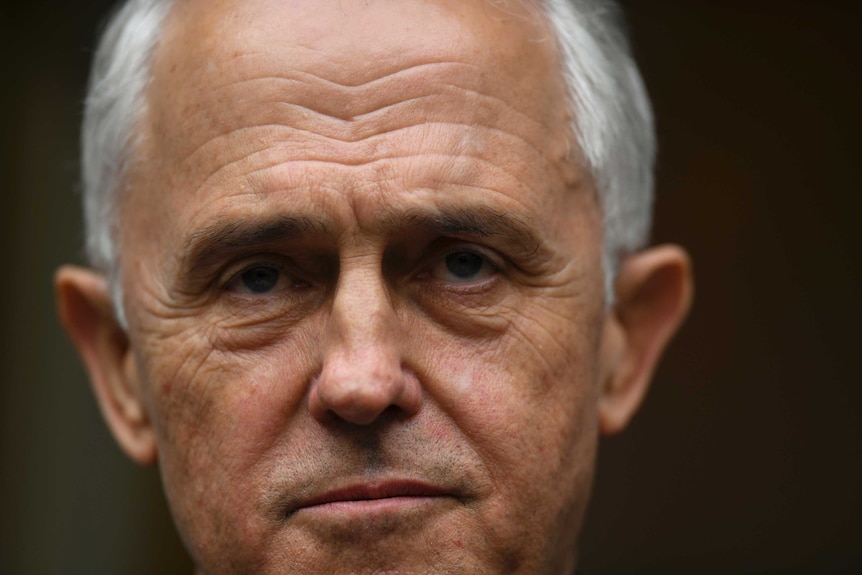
<point>208,245</point>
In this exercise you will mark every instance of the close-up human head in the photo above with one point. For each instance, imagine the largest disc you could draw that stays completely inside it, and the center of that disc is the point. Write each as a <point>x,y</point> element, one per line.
<point>370,278</point>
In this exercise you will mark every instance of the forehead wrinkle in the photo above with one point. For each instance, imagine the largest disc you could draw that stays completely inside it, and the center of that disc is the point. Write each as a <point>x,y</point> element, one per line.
<point>424,69</point>
<point>365,130</point>
<point>350,108</point>
<point>366,114</point>
<point>303,89</point>
<point>502,47</point>
<point>286,151</point>
<point>282,176</point>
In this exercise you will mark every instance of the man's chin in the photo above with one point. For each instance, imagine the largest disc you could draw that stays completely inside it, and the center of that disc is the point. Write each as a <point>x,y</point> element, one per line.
<point>398,535</point>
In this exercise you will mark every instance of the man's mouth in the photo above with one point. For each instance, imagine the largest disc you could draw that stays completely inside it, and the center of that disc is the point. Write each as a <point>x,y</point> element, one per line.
<point>373,497</point>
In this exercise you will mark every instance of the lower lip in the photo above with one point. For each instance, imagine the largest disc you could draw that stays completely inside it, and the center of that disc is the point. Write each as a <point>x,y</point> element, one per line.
<point>373,507</point>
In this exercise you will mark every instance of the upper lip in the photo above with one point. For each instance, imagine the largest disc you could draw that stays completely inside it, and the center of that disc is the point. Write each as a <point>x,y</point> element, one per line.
<point>370,490</point>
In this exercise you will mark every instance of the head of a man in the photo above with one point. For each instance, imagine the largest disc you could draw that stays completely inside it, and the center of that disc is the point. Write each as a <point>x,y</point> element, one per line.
<point>369,275</point>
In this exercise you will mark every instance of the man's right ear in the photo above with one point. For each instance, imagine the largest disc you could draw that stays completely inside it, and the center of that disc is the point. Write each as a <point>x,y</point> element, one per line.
<point>87,312</point>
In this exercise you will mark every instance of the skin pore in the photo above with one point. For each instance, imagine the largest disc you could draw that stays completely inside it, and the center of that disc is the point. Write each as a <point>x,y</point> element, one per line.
<point>363,280</point>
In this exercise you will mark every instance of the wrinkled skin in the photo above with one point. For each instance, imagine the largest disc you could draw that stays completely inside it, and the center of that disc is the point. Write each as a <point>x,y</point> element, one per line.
<point>351,150</point>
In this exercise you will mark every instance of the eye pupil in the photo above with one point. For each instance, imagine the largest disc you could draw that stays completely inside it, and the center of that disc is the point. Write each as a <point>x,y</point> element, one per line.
<point>260,280</point>
<point>464,264</point>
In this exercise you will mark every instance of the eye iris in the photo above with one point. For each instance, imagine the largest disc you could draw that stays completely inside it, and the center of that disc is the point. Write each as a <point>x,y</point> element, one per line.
<point>260,280</point>
<point>464,265</point>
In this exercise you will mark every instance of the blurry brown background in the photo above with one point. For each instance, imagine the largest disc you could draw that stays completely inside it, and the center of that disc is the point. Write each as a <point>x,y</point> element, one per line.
<point>747,456</point>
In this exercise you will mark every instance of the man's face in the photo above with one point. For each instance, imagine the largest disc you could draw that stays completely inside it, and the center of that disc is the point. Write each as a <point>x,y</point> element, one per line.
<point>364,288</point>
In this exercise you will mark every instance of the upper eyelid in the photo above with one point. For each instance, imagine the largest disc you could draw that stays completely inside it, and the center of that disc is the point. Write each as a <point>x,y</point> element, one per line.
<point>492,256</point>
<point>234,270</point>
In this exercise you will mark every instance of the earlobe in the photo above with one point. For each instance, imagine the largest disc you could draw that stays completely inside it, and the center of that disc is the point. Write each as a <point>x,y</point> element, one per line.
<point>653,295</point>
<point>86,311</point>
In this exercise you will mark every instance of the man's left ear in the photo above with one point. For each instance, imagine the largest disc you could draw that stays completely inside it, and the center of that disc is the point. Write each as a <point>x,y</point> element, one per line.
<point>653,294</point>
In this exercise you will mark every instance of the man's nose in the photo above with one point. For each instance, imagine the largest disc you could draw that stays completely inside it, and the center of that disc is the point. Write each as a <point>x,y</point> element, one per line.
<point>363,372</point>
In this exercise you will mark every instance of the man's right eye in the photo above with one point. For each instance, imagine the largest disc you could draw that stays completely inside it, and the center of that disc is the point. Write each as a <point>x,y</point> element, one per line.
<point>259,280</point>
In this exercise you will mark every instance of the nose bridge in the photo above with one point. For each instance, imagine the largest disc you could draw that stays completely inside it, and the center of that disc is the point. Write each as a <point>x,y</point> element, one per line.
<point>362,373</point>
<point>362,319</point>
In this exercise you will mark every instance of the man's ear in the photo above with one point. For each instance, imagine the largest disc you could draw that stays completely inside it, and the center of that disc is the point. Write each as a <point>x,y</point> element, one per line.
<point>653,295</point>
<point>87,313</point>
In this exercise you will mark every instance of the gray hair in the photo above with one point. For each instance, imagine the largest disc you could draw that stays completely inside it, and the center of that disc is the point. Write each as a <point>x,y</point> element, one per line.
<point>114,104</point>
<point>611,121</point>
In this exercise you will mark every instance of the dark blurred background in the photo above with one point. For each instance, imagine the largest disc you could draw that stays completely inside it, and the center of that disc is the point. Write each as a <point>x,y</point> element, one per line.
<point>747,455</point>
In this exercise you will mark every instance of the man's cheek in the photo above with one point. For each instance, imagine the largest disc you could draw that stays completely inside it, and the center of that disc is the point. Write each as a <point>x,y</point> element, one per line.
<point>212,427</point>
<point>228,408</point>
<point>197,389</point>
<point>529,429</point>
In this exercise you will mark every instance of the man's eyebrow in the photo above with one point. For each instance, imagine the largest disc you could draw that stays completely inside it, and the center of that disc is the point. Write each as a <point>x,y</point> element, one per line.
<point>206,245</point>
<point>479,222</point>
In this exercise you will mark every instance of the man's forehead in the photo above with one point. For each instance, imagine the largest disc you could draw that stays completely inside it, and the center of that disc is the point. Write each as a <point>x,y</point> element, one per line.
<point>352,43</point>
<point>264,102</point>
<point>361,24</point>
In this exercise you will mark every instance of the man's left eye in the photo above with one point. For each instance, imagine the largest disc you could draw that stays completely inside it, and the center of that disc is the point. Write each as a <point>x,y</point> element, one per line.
<point>463,266</point>
<point>259,280</point>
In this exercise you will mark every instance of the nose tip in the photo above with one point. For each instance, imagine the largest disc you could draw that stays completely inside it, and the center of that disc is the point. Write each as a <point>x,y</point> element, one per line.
<point>359,387</point>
